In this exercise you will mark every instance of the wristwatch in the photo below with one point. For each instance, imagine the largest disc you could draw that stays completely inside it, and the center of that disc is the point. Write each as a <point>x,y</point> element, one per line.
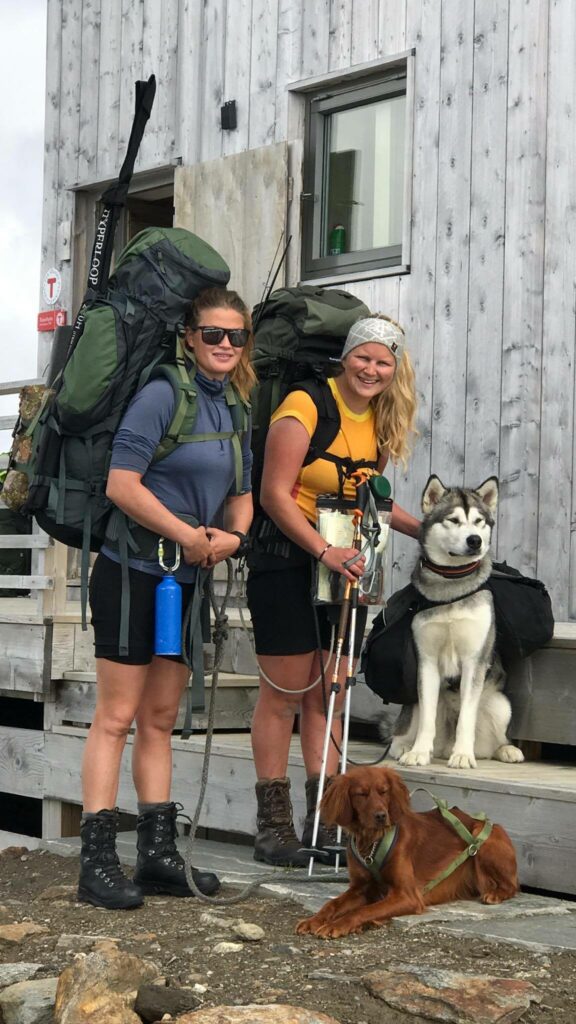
<point>244,546</point>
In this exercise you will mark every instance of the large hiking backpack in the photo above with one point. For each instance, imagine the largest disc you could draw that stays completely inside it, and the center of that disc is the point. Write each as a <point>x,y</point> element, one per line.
<point>127,333</point>
<point>299,337</point>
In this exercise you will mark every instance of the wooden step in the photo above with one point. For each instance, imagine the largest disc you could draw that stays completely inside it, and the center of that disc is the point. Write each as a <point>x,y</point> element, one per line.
<point>535,802</point>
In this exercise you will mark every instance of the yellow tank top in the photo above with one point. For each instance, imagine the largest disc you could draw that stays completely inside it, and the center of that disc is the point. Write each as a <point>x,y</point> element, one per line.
<point>356,440</point>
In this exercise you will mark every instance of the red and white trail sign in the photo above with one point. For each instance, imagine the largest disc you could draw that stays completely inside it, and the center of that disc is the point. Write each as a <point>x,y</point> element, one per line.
<point>51,286</point>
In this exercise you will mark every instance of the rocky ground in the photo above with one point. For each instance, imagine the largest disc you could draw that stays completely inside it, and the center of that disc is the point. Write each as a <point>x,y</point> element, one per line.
<point>206,949</point>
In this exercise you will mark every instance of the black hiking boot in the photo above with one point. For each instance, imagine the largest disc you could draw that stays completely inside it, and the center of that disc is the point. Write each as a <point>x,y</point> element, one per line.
<point>327,835</point>
<point>276,842</point>
<point>102,881</point>
<point>159,867</point>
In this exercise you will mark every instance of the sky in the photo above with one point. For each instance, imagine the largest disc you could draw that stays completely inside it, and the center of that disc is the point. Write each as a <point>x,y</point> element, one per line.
<point>23,34</point>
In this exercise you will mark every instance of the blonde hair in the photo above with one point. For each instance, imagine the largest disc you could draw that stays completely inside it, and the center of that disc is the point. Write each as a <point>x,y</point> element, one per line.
<point>395,408</point>
<point>242,377</point>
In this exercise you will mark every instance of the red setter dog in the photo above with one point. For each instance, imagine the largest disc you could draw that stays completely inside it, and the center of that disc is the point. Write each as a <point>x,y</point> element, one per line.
<point>368,801</point>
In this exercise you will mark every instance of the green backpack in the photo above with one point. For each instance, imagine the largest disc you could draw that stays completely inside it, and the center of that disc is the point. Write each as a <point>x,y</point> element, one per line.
<point>299,336</point>
<point>129,335</point>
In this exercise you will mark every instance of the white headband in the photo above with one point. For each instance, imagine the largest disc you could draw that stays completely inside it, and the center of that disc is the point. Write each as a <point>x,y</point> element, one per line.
<point>373,329</point>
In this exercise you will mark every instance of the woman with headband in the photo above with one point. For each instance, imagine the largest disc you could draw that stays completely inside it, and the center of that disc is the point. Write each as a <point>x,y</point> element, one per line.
<point>375,397</point>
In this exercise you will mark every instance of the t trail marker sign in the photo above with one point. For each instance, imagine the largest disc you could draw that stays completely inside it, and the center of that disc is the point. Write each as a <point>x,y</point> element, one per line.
<point>51,286</point>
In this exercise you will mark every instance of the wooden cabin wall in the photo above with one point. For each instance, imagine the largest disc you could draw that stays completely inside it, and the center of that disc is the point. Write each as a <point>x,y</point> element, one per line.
<point>489,303</point>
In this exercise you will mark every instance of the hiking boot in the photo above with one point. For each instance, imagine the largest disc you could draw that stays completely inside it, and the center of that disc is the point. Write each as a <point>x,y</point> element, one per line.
<point>102,881</point>
<point>159,866</point>
<point>327,835</point>
<point>276,841</point>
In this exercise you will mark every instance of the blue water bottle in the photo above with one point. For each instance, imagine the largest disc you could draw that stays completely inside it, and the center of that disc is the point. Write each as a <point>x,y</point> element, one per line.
<point>168,608</point>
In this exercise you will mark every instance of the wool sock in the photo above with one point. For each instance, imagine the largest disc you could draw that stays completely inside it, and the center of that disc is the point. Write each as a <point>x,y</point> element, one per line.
<point>144,808</point>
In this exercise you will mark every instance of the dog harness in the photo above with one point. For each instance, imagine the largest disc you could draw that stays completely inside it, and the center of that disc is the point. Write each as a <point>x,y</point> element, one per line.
<point>382,848</point>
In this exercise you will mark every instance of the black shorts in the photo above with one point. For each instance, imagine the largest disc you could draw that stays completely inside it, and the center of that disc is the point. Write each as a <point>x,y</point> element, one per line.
<point>105,596</point>
<point>283,613</point>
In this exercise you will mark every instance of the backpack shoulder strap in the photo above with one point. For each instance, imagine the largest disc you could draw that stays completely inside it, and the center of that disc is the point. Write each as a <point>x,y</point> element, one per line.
<point>181,429</point>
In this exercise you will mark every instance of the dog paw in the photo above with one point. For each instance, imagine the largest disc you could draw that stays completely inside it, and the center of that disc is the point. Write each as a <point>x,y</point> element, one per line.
<point>509,753</point>
<point>457,760</point>
<point>336,930</point>
<point>415,757</point>
<point>397,750</point>
<point>305,926</point>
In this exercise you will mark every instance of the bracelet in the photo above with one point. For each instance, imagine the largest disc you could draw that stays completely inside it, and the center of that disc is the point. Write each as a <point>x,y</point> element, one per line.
<point>323,552</point>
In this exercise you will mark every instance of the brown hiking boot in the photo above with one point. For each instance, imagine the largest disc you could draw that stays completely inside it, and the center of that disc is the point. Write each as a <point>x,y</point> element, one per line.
<point>276,842</point>
<point>326,835</point>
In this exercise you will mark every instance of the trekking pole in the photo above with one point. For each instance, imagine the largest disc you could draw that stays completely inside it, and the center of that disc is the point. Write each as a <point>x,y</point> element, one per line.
<point>347,613</point>
<point>334,691</point>
<point>362,496</point>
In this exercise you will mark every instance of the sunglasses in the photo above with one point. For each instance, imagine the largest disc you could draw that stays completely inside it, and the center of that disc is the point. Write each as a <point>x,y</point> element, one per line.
<point>238,336</point>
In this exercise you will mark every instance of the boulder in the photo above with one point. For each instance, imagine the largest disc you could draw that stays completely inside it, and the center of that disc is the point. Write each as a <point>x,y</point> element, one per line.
<point>451,996</point>
<point>103,982</point>
<point>29,1002</point>
<point>256,1014</point>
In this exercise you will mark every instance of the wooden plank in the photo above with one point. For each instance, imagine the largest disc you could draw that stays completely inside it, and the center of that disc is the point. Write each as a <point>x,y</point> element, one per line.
<point>452,255</point>
<point>556,558</point>
<point>71,42</point>
<point>365,30</point>
<point>160,57</point>
<point>523,273</point>
<point>487,215</point>
<point>263,56</point>
<point>288,62</point>
<point>51,156</point>
<point>75,702</point>
<point>340,36</point>
<point>27,582</point>
<point>188,91</point>
<point>107,165</point>
<point>14,386</point>
<point>315,37</point>
<point>25,663</point>
<point>132,46</point>
<point>25,540</point>
<point>211,78</point>
<point>392,27</point>
<point>543,696</point>
<point>417,312</point>
<point>89,91</point>
<point>22,762</point>
<point>237,73</point>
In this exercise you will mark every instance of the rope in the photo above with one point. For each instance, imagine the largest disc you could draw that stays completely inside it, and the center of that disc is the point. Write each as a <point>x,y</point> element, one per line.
<point>220,634</point>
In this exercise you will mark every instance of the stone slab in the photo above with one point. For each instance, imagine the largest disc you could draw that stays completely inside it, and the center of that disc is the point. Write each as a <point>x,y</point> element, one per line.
<point>541,922</point>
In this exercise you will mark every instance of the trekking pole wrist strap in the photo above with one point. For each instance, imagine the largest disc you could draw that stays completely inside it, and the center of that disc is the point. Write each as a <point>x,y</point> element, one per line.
<point>323,552</point>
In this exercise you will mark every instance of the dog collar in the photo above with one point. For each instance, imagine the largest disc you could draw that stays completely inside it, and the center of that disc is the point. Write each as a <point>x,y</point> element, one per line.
<point>449,571</point>
<point>379,853</point>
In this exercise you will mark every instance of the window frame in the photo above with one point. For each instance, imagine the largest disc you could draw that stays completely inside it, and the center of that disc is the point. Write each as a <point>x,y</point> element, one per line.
<point>330,94</point>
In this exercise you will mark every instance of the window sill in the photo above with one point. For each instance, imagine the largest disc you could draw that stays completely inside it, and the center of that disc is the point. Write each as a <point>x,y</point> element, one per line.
<point>357,275</point>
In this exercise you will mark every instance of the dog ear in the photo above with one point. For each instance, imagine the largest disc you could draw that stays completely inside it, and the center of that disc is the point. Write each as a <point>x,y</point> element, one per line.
<point>399,797</point>
<point>432,493</point>
<point>336,807</point>
<point>488,492</point>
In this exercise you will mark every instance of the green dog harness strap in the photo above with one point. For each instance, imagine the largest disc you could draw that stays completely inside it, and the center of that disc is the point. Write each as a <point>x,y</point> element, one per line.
<point>473,843</point>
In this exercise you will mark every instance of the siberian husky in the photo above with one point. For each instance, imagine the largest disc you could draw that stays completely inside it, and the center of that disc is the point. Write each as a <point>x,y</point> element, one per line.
<point>462,712</point>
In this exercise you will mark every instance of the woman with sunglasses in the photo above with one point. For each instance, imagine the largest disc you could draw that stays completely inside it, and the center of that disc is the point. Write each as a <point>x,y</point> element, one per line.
<point>196,480</point>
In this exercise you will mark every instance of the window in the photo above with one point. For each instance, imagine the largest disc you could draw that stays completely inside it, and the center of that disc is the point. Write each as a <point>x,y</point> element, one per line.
<point>355,165</point>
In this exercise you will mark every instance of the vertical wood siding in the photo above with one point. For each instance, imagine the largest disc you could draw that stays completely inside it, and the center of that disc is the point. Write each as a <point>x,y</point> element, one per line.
<point>488,305</point>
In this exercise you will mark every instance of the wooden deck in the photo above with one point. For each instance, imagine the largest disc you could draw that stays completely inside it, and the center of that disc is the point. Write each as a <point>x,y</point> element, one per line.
<point>48,659</point>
